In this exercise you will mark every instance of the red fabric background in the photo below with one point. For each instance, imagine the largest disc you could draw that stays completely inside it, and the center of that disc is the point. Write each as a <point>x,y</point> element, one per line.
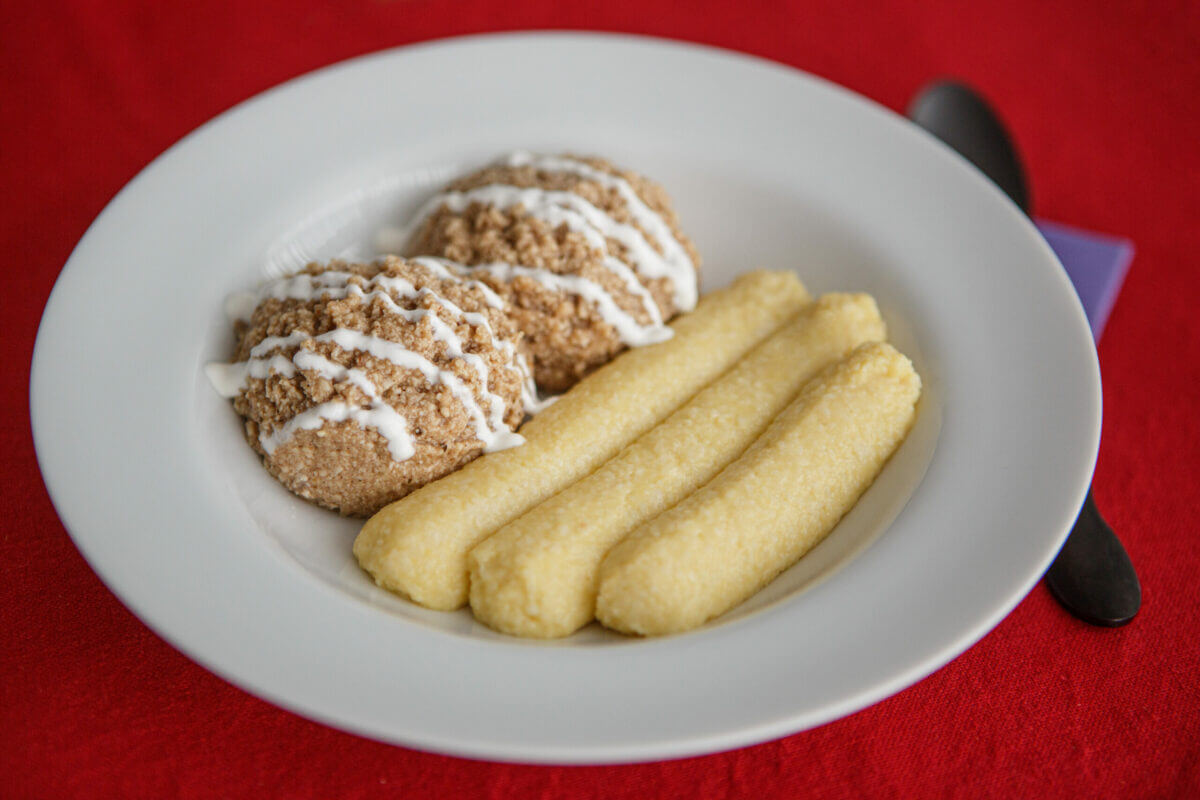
<point>1104,103</point>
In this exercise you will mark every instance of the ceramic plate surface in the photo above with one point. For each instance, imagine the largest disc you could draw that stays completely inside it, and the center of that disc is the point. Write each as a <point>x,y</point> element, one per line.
<point>769,168</point>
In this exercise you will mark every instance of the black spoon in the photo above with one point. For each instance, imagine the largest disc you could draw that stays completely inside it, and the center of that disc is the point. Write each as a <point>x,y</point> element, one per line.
<point>1092,576</point>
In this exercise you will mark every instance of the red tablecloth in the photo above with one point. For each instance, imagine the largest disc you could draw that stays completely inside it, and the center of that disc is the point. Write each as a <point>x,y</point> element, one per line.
<point>1104,102</point>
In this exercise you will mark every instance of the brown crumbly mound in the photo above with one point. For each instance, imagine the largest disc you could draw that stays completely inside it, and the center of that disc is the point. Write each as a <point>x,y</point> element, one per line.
<point>342,465</point>
<point>567,335</point>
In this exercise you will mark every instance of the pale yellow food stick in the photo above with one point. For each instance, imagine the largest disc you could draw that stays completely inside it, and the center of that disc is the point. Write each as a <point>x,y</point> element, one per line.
<point>769,507</point>
<point>418,546</point>
<point>536,576</point>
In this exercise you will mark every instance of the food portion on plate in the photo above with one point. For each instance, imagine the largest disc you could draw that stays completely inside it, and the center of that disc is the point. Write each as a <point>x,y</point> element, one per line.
<point>361,382</point>
<point>418,547</point>
<point>589,257</point>
<point>686,465</point>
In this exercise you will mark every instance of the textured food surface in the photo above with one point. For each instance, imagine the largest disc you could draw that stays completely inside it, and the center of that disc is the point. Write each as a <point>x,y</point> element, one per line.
<point>343,464</point>
<point>567,333</point>
<point>418,546</point>
<point>768,508</point>
<point>537,575</point>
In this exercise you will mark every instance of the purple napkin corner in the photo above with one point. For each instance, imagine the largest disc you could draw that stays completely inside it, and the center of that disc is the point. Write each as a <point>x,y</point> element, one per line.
<point>1096,265</point>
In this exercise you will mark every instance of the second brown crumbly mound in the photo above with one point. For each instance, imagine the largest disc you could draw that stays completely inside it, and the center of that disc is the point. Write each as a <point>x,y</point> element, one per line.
<point>567,336</point>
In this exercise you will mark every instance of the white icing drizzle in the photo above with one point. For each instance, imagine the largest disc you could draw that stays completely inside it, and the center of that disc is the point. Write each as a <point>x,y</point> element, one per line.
<point>597,227</point>
<point>635,287</point>
<point>230,379</point>
<point>529,394</point>
<point>335,284</point>
<point>679,266</point>
<point>632,333</point>
<point>453,271</point>
<point>378,415</point>
<point>580,216</point>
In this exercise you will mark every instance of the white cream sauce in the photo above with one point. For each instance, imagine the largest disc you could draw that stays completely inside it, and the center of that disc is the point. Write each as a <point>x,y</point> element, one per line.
<point>566,208</point>
<point>631,332</point>
<point>490,429</point>
<point>378,415</point>
<point>678,265</point>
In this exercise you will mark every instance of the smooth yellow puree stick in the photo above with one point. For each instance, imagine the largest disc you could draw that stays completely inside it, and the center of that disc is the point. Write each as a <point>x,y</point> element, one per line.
<point>418,546</point>
<point>769,507</point>
<point>536,576</point>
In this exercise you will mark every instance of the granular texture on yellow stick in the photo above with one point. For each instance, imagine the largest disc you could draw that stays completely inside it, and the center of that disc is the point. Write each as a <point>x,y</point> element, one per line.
<point>536,576</point>
<point>768,508</point>
<point>418,546</point>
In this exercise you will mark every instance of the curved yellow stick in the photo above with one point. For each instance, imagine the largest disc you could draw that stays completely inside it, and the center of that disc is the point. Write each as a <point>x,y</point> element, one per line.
<point>768,508</point>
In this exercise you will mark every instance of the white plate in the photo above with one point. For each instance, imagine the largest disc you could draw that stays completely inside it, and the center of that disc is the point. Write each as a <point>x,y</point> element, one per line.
<point>770,167</point>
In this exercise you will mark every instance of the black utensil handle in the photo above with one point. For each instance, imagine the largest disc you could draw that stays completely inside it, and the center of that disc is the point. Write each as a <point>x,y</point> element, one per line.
<point>1092,575</point>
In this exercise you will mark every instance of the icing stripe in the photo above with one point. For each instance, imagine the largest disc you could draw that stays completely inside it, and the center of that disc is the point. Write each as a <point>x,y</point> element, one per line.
<point>336,284</point>
<point>378,415</point>
<point>264,360</point>
<point>669,260</point>
<point>683,270</point>
<point>627,327</point>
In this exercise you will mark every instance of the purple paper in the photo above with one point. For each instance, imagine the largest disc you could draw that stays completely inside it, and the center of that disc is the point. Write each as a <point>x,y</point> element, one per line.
<point>1096,265</point>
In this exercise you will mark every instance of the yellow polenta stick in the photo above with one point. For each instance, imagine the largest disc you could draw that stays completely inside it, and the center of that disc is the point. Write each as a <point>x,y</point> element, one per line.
<point>768,508</point>
<point>418,545</point>
<point>536,576</point>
